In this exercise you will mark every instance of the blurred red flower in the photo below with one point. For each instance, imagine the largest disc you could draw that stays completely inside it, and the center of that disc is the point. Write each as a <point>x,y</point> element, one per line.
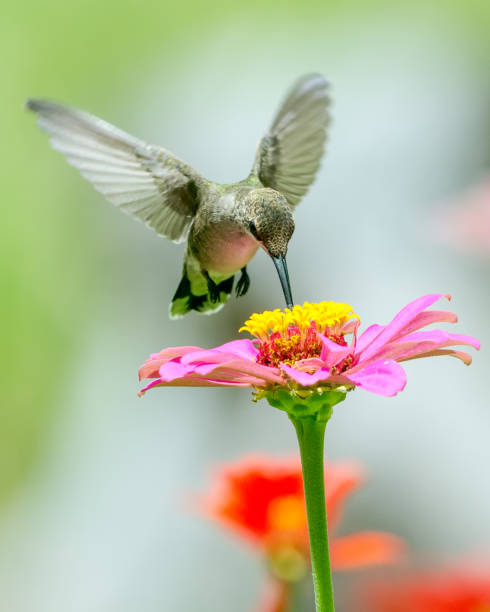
<point>261,499</point>
<point>450,589</point>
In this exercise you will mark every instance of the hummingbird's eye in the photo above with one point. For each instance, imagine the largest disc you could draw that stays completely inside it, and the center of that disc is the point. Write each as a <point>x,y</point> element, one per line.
<point>253,230</point>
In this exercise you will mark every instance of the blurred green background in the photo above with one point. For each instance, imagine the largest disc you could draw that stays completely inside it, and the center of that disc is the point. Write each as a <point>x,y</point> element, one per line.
<point>88,473</point>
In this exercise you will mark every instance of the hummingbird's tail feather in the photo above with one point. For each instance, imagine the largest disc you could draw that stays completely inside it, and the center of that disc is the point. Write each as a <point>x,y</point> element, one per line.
<point>193,293</point>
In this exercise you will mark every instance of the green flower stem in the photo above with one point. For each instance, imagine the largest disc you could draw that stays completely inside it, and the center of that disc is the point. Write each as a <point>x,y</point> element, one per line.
<point>309,411</point>
<point>310,431</point>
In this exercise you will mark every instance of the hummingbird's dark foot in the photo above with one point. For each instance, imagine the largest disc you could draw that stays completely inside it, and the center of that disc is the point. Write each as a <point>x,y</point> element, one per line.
<point>213,289</point>
<point>243,283</point>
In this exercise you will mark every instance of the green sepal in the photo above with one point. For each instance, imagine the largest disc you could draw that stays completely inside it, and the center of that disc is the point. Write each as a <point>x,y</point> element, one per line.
<point>318,402</point>
<point>288,564</point>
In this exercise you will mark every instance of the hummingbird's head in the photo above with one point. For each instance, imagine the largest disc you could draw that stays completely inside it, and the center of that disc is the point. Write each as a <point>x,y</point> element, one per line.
<point>270,221</point>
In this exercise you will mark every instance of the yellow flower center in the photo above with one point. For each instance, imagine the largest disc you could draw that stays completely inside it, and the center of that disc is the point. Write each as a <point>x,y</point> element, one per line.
<point>293,334</point>
<point>287,513</point>
<point>326,315</point>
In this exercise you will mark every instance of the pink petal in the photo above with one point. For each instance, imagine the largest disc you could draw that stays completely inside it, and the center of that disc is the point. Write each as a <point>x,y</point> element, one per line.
<point>174,351</point>
<point>233,381</point>
<point>154,383</point>
<point>192,381</point>
<point>381,377</point>
<point>312,363</point>
<point>241,348</point>
<point>427,318</point>
<point>150,368</point>
<point>173,369</point>
<point>461,339</point>
<point>441,336</point>
<point>208,356</point>
<point>245,367</point>
<point>418,344</point>
<point>427,350</point>
<point>465,357</point>
<point>368,336</point>
<point>351,326</point>
<point>224,374</point>
<point>303,378</point>
<point>399,323</point>
<point>196,381</point>
<point>333,353</point>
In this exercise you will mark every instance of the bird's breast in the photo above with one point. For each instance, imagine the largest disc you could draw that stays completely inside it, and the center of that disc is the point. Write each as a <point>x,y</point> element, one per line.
<point>223,248</point>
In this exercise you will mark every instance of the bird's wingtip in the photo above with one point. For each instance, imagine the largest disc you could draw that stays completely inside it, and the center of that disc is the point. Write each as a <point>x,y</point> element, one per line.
<point>40,105</point>
<point>33,104</point>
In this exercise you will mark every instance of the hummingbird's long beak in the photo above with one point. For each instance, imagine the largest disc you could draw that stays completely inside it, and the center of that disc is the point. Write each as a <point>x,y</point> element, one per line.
<point>282,270</point>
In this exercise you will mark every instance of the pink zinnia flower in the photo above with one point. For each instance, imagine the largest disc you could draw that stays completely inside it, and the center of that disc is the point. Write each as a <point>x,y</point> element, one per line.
<point>307,348</point>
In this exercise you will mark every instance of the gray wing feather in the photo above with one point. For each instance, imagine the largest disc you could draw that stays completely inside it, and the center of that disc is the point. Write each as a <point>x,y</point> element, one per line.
<point>289,155</point>
<point>143,180</point>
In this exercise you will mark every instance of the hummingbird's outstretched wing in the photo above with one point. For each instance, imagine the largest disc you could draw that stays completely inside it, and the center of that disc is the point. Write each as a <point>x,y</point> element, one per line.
<point>143,180</point>
<point>289,155</point>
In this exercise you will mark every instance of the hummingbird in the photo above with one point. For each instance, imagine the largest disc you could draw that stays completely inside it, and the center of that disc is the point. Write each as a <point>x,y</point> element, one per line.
<point>223,224</point>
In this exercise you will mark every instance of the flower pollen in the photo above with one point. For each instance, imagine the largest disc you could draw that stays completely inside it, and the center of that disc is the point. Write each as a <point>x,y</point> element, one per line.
<point>292,335</point>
